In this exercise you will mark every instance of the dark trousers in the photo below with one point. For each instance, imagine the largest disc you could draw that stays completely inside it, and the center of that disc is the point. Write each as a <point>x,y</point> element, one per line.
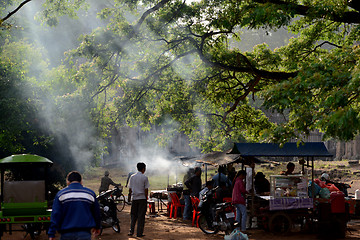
<point>138,211</point>
<point>81,235</point>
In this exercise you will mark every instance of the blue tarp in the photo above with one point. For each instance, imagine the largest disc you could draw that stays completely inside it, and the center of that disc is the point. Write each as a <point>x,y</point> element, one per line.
<point>308,149</point>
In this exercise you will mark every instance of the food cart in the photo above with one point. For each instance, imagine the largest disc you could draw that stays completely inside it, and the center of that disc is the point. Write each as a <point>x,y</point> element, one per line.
<point>292,200</point>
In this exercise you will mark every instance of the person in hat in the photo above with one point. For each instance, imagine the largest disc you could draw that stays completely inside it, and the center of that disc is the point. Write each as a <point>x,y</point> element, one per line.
<point>106,181</point>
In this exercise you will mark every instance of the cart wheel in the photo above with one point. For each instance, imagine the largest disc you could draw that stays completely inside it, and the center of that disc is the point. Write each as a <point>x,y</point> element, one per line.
<point>280,223</point>
<point>120,202</point>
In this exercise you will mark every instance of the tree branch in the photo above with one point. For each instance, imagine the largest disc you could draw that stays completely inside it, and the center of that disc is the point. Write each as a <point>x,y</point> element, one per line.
<point>158,71</point>
<point>16,10</point>
<point>319,46</point>
<point>249,69</point>
<point>148,12</point>
<point>244,69</point>
<point>346,17</point>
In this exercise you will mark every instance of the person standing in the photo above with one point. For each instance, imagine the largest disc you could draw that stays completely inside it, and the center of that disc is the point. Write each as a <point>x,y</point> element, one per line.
<point>128,177</point>
<point>221,177</point>
<point>106,181</point>
<point>238,198</point>
<point>138,192</point>
<point>194,183</point>
<point>75,211</point>
<point>186,194</point>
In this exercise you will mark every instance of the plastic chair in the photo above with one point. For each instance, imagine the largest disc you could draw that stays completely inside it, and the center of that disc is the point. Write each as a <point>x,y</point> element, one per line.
<point>195,203</point>
<point>168,207</point>
<point>175,205</point>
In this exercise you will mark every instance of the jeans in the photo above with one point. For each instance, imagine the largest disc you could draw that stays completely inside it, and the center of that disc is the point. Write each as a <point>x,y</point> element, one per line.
<point>241,212</point>
<point>82,235</point>
<point>187,215</point>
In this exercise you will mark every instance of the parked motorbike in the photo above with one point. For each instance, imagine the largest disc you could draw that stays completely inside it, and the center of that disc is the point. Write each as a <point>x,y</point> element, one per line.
<point>343,187</point>
<point>215,217</point>
<point>119,198</point>
<point>108,211</point>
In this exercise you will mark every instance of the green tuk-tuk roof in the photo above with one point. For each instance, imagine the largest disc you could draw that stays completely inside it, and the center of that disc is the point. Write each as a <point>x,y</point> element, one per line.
<point>24,158</point>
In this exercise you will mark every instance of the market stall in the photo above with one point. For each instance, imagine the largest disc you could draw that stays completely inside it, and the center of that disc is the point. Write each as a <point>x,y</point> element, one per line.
<point>292,199</point>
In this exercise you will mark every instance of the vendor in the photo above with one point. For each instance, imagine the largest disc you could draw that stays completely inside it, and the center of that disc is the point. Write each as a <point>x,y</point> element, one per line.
<point>290,169</point>
<point>262,185</point>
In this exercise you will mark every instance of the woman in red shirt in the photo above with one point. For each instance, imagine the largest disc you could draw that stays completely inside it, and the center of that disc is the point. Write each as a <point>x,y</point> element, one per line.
<point>238,198</point>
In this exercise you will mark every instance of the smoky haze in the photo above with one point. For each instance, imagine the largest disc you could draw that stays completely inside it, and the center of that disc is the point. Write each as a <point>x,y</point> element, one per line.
<point>64,112</point>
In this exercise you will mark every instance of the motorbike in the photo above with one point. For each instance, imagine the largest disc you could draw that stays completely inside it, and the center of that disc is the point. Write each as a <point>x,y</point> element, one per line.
<point>108,211</point>
<point>119,198</point>
<point>215,217</point>
<point>343,187</point>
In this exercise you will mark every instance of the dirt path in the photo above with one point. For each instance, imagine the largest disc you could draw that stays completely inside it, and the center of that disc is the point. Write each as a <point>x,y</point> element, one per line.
<point>161,227</point>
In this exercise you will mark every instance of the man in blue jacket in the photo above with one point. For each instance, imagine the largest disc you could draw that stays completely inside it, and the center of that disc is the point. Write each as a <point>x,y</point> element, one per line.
<point>75,212</point>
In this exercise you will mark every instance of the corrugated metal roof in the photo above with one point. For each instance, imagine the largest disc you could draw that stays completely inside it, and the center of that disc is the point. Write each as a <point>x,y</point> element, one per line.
<point>218,158</point>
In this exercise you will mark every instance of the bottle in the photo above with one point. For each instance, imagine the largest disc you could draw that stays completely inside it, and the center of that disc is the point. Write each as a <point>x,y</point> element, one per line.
<point>357,194</point>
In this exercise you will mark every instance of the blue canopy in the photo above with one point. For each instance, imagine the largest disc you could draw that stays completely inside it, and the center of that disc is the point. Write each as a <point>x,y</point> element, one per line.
<point>308,149</point>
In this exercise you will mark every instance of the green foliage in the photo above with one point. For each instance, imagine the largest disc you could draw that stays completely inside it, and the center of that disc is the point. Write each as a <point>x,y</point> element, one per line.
<point>19,122</point>
<point>180,67</point>
<point>54,9</point>
<point>174,68</point>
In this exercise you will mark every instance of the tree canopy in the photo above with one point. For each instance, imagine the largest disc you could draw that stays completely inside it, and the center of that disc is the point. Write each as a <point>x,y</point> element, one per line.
<point>178,65</point>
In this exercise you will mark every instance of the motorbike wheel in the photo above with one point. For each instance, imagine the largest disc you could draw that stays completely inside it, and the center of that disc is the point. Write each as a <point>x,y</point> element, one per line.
<point>116,227</point>
<point>203,225</point>
<point>120,202</point>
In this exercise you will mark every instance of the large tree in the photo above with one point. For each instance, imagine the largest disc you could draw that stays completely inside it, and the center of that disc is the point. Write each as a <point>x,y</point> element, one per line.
<point>178,64</point>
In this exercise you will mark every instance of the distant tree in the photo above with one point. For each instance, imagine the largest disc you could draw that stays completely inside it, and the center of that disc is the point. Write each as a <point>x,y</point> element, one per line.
<point>18,121</point>
<point>23,127</point>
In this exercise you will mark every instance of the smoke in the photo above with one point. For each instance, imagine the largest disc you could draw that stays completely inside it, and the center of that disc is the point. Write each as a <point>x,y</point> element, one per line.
<point>160,161</point>
<point>63,110</point>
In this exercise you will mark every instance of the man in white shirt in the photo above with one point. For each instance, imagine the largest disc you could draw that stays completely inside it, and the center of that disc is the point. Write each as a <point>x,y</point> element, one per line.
<point>138,191</point>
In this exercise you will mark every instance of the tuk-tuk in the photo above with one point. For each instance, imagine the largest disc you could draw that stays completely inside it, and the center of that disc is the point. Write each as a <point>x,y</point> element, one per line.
<point>23,197</point>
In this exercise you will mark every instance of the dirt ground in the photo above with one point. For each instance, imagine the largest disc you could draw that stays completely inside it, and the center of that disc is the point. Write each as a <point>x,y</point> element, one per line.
<point>161,227</point>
